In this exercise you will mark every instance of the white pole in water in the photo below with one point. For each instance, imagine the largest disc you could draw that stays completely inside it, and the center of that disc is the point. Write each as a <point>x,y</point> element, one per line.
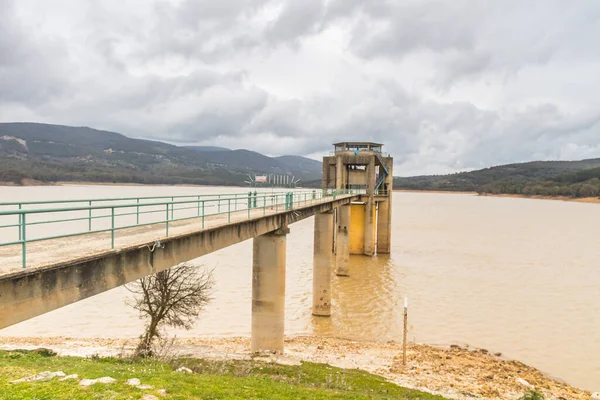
<point>405,331</point>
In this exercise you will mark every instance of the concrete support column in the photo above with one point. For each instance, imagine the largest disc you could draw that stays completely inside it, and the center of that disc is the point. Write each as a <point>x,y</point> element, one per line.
<point>340,178</point>
<point>342,243</point>
<point>268,291</point>
<point>384,228</point>
<point>323,259</point>
<point>369,248</point>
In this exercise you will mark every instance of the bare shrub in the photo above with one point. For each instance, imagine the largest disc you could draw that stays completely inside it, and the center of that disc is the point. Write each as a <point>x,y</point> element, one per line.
<point>174,297</point>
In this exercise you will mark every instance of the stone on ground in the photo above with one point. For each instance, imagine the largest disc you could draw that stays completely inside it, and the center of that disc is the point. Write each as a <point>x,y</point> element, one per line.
<point>145,387</point>
<point>148,397</point>
<point>596,396</point>
<point>133,382</point>
<point>42,376</point>
<point>72,376</point>
<point>185,370</point>
<point>90,382</point>
<point>525,383</point>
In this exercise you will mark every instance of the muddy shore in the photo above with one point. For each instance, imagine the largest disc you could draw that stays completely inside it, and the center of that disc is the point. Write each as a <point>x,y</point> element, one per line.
<point>518,196</point>
<point>455,372</point>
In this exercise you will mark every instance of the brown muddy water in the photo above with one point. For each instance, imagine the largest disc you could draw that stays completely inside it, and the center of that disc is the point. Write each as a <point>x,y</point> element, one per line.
<point>516,276</point>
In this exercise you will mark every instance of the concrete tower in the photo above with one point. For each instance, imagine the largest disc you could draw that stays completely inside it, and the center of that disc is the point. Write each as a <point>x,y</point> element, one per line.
<point>366,228</point>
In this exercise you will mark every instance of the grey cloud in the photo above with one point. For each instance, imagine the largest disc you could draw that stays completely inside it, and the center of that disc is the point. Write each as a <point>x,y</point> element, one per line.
<point>470,37</point>
<point>31,65</point>
<point>179,74</point>
<point>296,19</point>
<point>398,28</point>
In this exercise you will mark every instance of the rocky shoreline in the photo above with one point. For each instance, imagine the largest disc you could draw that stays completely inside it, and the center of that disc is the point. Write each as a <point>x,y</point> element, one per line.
<point>455,372</point>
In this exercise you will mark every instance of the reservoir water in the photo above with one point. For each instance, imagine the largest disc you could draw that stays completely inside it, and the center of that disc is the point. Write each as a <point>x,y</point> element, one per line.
<point>516,276</point>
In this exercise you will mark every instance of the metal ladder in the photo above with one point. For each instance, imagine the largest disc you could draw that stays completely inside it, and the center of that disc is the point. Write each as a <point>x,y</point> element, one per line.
<point>383,173</point>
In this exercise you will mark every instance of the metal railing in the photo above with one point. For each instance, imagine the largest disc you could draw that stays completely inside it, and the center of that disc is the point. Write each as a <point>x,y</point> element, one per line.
<point>25,225</point>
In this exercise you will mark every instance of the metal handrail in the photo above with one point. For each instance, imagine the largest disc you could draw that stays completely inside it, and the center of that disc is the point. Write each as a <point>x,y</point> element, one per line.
<point>201,205</point>
<point>56,201</point>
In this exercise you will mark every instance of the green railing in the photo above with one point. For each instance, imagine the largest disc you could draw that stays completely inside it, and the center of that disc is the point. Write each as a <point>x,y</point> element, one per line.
<point>24,224</point>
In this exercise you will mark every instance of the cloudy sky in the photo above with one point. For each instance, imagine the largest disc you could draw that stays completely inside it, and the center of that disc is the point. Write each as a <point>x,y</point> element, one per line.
<point>446,85</point>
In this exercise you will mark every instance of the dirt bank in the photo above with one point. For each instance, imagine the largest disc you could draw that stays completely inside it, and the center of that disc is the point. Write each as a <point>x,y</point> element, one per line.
<point>521,196</point>
<point>433,191</point>
<point>27,182</point>
<point>456,373</point>
<point>539,197</point>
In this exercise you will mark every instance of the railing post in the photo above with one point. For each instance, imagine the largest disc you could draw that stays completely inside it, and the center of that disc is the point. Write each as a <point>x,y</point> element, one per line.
<point>228,210</point>
<point>112,228</point>
<point>167,220</point>
<point>20,222</point>
<point>172,207</point>
<point>255,194</point>
<point>23,241</point>
<point>235,202</point>
<point>249,199</point>
<point>90,217</point>
<point>202,214</point>
<point>219,204</point>
<point>137,212</point>
<point>265,204</point>
<point>199,209</point>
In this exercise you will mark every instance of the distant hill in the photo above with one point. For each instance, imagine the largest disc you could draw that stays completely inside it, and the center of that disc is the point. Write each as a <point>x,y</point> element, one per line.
<point>62,153</point>
<point>246,160</point>
<point>206,148</point>
<point>551,178</point>
<point>306,166</point>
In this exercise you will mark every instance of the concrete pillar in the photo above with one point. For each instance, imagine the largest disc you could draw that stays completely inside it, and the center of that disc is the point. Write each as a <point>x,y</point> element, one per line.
<point>268,291</point>
<point>323,259</point>
<point>340,178</point>
<point>342,243</point>
<point>384,227</point>
<point>369,246</point>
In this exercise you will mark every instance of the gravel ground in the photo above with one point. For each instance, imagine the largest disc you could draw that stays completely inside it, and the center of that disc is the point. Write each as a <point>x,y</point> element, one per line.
<point>456,373</point>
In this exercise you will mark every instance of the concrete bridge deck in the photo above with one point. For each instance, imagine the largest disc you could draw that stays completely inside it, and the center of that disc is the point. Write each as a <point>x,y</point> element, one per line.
<point>65,270</point>
<point>48,252</point>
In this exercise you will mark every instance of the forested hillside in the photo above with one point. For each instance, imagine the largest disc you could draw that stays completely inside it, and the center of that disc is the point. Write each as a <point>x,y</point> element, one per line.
<point>51,153</point>
<point>548,178</point>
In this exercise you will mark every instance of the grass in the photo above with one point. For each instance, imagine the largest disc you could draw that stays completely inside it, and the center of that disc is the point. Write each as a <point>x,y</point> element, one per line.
<point>211,379</point>
<point>533,395</point>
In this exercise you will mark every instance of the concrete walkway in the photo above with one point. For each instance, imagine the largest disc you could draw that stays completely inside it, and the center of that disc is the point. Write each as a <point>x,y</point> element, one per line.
<point>52,251</point>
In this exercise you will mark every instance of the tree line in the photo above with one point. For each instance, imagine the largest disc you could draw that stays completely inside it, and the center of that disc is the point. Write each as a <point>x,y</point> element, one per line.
<point>588,188</point>
<point>529,179</point>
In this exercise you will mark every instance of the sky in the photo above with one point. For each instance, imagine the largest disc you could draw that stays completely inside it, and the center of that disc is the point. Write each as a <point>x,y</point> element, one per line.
<point>447,86</point>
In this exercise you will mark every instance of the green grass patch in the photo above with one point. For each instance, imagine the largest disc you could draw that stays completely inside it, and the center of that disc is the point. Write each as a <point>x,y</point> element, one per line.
<point>211,379</point>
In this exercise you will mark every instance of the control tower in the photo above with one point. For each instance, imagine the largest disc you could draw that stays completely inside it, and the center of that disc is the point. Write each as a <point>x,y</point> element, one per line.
<point>362,166</point>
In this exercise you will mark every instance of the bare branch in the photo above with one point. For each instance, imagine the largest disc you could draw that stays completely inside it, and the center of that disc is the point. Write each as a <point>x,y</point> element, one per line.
<point>174,297</point>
